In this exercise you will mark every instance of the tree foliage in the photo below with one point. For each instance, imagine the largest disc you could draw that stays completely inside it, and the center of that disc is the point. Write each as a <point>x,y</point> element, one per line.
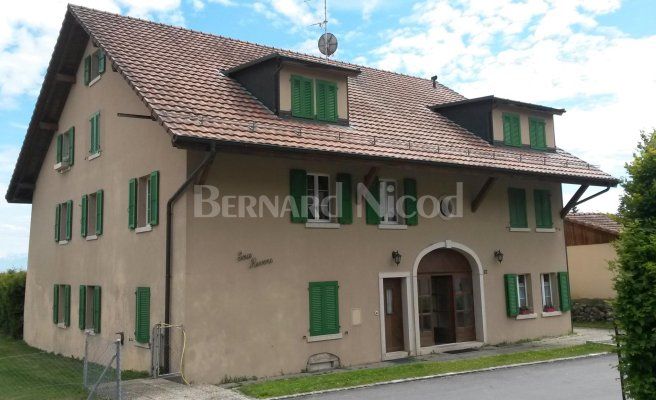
<point>635,283</point>
<point>12,298</point>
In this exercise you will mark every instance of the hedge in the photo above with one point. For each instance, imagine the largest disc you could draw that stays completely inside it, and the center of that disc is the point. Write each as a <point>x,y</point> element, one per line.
<point>12,298</point>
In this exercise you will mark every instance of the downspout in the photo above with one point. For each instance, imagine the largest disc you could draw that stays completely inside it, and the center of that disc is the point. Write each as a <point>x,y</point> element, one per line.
<point>207,161</point>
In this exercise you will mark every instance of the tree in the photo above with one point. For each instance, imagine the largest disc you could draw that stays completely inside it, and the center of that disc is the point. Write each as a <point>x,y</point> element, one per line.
<point>635,282</point>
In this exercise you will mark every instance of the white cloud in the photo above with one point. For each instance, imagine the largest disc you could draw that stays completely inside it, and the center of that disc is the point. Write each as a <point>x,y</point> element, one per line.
<point>29,29</point>
<point>15,219</point>
<point>544,51</point>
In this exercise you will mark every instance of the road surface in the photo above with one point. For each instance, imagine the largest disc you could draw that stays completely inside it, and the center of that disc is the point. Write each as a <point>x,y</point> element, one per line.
<point>583,379</point>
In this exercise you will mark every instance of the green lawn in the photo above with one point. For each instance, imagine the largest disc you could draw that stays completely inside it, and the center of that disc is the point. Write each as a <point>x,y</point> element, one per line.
<point>283,387</point>
<point>29,373</point>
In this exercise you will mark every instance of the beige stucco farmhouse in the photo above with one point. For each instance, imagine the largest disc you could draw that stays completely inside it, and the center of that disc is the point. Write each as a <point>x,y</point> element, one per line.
<point>177,177</point>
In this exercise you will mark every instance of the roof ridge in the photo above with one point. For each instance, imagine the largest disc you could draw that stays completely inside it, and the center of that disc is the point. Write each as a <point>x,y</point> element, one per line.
<point>76,6</point>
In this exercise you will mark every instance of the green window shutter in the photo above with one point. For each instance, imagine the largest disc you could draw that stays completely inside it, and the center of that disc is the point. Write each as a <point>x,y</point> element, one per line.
<point>132,204</point>
<point>542,200</point>
<point>57,221</point>
<point>331,102</point>
<point>563,290</point>
<point>372,213</point>
<point>69,219</point>
<point>302,97</point>
<point>101,61</point>
<point>96,309</point>
<point>59,144</point>
<point>410,202</point>
<point>346,202</point>
<point>67,305</point>
<point>55,304</point>
<point>83,215</point>
<point>537,132</point>
<point>94,135</point>
<point>517,208</point>
<point>298,192</point>
<point>512,134</point>
<point>321,101</point>
<point>512,299</point>
<point>153,198</point>
<point>82,307</point>
<point>324,308</point>
<point>87,70</point>
<point>71,146</point>
<point>142,313</point>
<point>99,211</point>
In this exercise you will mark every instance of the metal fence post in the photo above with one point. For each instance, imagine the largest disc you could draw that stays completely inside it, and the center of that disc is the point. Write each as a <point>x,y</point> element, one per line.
<point>85,370</point>
<point>118,369</point>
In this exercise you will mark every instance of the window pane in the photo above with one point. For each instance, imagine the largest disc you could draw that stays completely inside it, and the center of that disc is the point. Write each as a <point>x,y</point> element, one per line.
<point>389,309</point>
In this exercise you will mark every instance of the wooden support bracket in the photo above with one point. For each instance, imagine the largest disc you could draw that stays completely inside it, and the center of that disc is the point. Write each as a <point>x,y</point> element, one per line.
<point>573,201</point>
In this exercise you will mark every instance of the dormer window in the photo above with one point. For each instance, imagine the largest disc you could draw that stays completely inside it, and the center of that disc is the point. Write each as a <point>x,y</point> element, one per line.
<point>512,133</point>
<point>322,107</point>
<point>94,66</point>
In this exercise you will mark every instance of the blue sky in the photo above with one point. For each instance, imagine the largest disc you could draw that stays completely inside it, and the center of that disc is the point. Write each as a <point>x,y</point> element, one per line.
<point>594,57</point>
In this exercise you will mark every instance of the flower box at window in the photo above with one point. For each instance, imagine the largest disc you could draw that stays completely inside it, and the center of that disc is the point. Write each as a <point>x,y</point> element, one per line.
<point>65,150</point>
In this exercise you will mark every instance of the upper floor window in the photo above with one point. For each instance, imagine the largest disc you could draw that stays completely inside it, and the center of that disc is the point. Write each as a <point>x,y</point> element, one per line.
<point>517,208</point>
<point>512,133</point>
<point>318,202</point>
<point>542,199</point>
<point>91,222</point>
<point>538,135</point>
<point>94,135</point>
<point>388,197</point>
<point>65,151</point>
<point>94,66</point>
<point>143,204</point>
<point>63,222</point>
<point>305,104</point>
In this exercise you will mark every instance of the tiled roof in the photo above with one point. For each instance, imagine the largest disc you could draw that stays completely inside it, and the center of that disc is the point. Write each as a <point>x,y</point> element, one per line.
<point>598,221</point>
<point>177,74</point>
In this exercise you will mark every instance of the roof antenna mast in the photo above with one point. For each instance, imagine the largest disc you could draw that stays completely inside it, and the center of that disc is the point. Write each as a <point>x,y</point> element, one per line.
<point>327,42</point>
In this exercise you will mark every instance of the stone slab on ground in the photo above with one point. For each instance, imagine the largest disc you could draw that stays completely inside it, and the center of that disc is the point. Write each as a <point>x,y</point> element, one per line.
<point>163,389</point>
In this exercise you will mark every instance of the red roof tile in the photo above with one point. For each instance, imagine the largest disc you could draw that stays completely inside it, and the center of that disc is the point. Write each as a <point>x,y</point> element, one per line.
<point>597,221</point>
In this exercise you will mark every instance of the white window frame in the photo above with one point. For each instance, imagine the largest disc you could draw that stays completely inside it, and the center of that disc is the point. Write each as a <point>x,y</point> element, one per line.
<point>527,281</point>
<point>555,301</point>
<point>383,206</point>
<point>316,207</point>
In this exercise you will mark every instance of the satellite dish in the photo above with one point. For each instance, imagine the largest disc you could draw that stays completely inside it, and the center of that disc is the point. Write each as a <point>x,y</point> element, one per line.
<point>328,44</point>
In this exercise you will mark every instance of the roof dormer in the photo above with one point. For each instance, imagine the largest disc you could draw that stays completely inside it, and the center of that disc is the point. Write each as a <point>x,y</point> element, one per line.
<point>505,122</point>
<point>295,87</point>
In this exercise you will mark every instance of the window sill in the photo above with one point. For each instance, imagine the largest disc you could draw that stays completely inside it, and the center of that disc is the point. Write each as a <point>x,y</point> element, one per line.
<point>511,229</point>
<point>526,316</point>
<point>90,332</point>
<point>143,229</point>
<point>91,237</point>
<point>393,226</point>
<point>62,242</point>
<point>61,167</point>
<point>322,338</point>
<point>142,345</point>
<point>61,325</point>
<point>545,230</point>
<point>94,80</point>
<point>322,225</point>
<point>93,156</point>
<point>551,314</point>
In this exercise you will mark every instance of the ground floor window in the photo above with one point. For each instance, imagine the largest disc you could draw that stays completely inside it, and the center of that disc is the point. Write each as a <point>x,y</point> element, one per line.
<point>324,308</point>
<point>61,305</point>
<point>142,315</point>
<point>550,299</point>
<point>89,308</point>
<point>518,294</point>
<point>523,293</point>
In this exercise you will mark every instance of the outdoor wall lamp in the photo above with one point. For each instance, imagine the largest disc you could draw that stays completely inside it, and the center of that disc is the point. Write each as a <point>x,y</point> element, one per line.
<point>499,256</point>
<point>396,256</point>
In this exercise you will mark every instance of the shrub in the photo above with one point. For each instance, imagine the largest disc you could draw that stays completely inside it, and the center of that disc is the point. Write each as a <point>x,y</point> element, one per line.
<point>12,298</point>
<point>635,282</point>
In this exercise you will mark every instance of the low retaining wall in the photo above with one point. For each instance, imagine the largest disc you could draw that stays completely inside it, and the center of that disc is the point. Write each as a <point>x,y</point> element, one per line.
<point>592,310</point>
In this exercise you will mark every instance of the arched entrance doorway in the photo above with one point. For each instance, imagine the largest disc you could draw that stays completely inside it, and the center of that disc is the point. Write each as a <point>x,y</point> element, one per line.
<point>449,297</point>
<point>445,299</point>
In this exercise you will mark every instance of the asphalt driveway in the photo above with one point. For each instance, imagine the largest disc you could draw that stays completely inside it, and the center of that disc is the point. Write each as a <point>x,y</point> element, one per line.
<point>593,378</point>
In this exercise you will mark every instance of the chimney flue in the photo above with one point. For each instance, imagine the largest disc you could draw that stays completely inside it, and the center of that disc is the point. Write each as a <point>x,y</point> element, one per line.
<point>434,79</point>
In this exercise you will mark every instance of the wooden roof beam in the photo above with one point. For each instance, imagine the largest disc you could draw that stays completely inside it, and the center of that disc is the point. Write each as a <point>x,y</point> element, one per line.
<point>485,189</point>
<point>59,77</point>
<point>49,126</point>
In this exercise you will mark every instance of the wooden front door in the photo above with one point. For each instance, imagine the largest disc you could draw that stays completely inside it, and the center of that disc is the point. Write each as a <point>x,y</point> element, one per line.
<point>393,304</point>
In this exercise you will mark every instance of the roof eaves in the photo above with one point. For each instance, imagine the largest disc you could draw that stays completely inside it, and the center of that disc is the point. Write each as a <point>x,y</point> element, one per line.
<point>287,58</point>
<point>498,100</point>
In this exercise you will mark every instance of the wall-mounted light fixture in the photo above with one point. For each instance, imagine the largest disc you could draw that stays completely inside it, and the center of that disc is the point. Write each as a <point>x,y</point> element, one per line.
<point>499,256</point>
<point>396,256</point>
